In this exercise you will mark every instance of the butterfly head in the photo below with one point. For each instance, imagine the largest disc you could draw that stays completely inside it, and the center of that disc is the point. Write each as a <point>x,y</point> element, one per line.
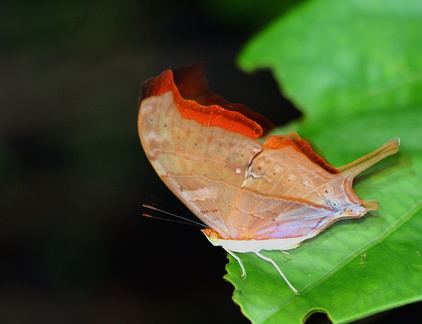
<point>212,235</point>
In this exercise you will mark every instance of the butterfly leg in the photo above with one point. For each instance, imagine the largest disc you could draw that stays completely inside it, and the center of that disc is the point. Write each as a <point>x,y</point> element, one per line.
<point>239,261</point>
<point>263,257</point>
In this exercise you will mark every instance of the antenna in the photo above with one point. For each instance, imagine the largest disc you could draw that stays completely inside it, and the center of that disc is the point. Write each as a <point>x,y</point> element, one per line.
<point>184,219</point>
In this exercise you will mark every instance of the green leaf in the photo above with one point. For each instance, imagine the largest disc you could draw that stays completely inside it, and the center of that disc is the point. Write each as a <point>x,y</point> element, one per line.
<point>354,69</point>
<point>330,55</point>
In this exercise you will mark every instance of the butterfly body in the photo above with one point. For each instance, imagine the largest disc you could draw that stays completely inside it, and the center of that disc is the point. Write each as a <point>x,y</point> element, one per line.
<point>252,196</point>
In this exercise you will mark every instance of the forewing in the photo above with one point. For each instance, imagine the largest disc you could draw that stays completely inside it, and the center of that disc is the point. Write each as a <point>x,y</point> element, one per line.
<point>203,165</point>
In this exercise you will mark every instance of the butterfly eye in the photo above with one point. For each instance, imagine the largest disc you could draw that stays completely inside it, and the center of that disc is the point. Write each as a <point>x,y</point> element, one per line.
<point>213,236</point>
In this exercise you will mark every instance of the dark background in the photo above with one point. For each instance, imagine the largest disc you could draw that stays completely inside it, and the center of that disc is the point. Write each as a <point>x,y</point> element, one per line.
<point>73,176</point>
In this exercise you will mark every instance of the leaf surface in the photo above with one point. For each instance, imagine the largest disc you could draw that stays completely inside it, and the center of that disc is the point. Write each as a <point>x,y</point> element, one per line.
<point>354,69</point>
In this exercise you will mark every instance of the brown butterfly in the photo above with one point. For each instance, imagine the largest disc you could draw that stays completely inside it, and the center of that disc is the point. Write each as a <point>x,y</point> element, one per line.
<point>252,196</point>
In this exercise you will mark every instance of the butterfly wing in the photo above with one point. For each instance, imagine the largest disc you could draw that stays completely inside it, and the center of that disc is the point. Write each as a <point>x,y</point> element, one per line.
<point>229,182</point>
<point>290,191</point>
<point>204,166</point>
<point>208,156</point>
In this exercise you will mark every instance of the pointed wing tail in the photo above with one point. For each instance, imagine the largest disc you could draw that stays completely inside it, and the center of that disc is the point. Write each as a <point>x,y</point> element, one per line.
<point>356,167</point>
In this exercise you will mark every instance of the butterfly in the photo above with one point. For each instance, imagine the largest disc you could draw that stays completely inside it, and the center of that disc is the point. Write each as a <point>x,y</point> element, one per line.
<point>251,196</point>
